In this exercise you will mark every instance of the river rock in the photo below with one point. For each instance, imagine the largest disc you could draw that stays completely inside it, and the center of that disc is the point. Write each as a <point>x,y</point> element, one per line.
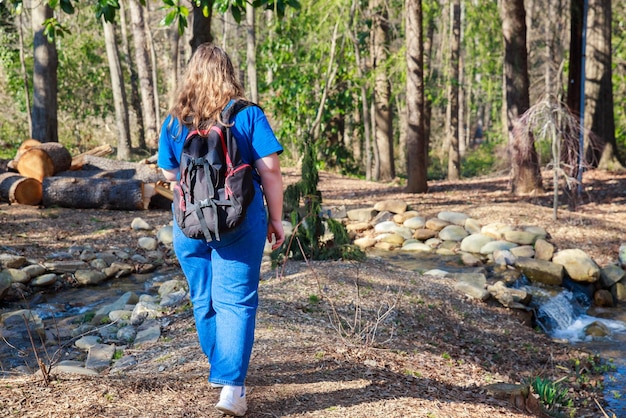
<point>5,284</point>
<point>541,271</point>
<point>415,222</point>
<point>118,270</point>
<point>470,260</point>
<point>89,277</point>
<point>610,275</point>
<point>496,230</point>
<point>578,264</point>
<point>473,243</point>
<point>65,266</point>
<point>358,227</point>
<point>144,310</point>
<point>99,356</point>
<point>393,206</point>
<point>453,233</point>
<point>147,243</point>
<point>34,270</point>
<point>472,285</point>
<point>361,215</point>
<point>436,224</point>
<point>597,329</point>
<point>12,261</point>
<point>165,235</point>
<point>128,298</point>
<point>391,238</point>
<point>456,218</point>
<point>16,275</point>
<point>520,237</point>
<point>543,250</point>
<point>509,297</point>
<point>138,224</point>
<point>618,290</point>
<point>424,234</point>
<point>71,367</point>
<point>472,226</point>
<point>401,218</point>
<point>45,280</point>
<point>148,332</point>
<point>495,245</point>
<point>365,242</point>
<point>621,255</point>
<point>603,298</point>
<point>523,251</point>
<point>127,334</point>
<point>119,315</point>
<point>504,257</point>
<point>414,245</point>
<point>88,341</point>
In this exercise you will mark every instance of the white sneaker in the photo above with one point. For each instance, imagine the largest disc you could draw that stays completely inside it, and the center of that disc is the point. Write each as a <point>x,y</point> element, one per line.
<point>232,401</point>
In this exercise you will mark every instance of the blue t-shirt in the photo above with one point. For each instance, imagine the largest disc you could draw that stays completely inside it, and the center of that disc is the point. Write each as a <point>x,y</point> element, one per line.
<point>252,131</point>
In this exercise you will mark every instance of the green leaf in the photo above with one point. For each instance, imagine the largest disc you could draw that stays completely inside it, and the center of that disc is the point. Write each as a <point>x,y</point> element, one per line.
<point>236,14</point>
<point>67,6</point>
<point>53,4</point>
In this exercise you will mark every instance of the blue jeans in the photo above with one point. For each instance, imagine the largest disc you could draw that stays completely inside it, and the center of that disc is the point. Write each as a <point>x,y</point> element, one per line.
<point>223,279</point>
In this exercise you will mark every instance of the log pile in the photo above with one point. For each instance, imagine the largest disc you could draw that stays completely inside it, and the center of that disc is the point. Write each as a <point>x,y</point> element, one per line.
<point>47,174</point>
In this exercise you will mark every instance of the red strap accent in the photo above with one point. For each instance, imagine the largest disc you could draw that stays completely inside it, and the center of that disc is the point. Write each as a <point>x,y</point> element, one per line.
<point>229,162</point>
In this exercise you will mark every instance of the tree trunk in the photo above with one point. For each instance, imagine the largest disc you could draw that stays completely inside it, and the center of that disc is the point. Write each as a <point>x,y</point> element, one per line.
<point>416,144</point>
<point>95,166</point>
<point>17,189</point>
<point>44,114</point>
<point>90,193</point>
<point>454,155</point>
<point>119,93</point>
<point>135,96</point>
<point>201,26</point>
<point>599,116</point>
<point>20,32</point>
<point>382,92</point>
<point>142,57</point>
<point>251,53</point>
<point>525,172</point>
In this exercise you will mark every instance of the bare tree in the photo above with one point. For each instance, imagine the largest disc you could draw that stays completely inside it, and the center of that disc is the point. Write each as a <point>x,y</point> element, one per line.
<point>454,154</point>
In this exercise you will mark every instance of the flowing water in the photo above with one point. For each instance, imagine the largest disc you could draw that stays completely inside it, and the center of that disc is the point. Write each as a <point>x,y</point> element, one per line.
<point>563,314</point>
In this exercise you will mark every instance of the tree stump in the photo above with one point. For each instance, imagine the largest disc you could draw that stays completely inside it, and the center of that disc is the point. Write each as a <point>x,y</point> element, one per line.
<point>94,193</point>
<point>43,160</point>
<point>17,189</point>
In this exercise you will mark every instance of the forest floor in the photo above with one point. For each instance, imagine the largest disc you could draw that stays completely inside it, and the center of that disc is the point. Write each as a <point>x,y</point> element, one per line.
<point>410,345</point>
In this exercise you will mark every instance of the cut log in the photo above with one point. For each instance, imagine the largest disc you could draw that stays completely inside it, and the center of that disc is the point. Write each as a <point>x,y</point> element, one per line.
<point>17,189</point>
<point>43,160</point>
<point>95,166</point>
<point>101,151</point>
<point>24,146</point>
<point>94,193</point>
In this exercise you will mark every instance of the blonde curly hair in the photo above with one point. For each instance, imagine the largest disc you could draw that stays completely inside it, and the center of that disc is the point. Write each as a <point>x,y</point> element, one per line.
<point>208,84</point>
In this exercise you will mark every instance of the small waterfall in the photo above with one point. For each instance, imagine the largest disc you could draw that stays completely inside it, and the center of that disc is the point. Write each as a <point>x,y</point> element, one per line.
<point>558,312</point>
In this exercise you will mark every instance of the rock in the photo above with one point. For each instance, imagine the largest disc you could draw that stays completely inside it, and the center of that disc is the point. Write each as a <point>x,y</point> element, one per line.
<point>401,218</point>
<point>597,329</point>
<point>578,265</point>
<point>492,246</point>
<point>391,238</point>
<point>89,277</point>
<point>120,315</point>
<point>472,285</point>
<point>149,332</point>
<point>165,235</point>
<point>34,270</point>
<point>618,290</point>
<point>541,271</point>
<point>496,230</point>
<point>453,233</point>
<point>144,310</point>
<point>543,250</point>
<point>99,356</point>
<point>138,224</point>
<point>621,255</point>
<point>87,255</point>
<point>603,298</point>
<point>415,222</point>
<point>174,299</point>
<point>470,260</point>
<point>16,275</point>
<point>436,224</point>
<point>45,280</point>
<point>361,215</point>
<point>71,367</point>
<point>416,246</point>
<point>88,341</point>
<point>147,243</point>
<point>523,251</point>
<point>365,242</point>
<point>385,246</point>
<point>472,226</point>
<point>504,257</point>
<point>5,283</point>
<point>473,243</point>
<point>456,218</point>
<point>358,227</point>
<point>393,206</point>
<point>118,270</point>
<point>123,363</point>
<point>12,261</point>
<point>520,237</point>
<point>65,266</point>
<point>127,334</point>
<point>509,297</point>
<point>424,234</point>
<point>610,275</point>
